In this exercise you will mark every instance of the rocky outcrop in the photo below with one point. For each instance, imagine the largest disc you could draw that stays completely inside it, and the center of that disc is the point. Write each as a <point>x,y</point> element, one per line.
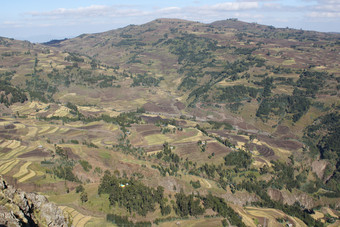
<point>18,208</point>
<point>290,198</point>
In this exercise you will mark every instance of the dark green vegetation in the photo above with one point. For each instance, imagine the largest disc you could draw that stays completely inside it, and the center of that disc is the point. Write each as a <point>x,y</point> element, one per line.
<point>176,121</point>
<point>324,137</point>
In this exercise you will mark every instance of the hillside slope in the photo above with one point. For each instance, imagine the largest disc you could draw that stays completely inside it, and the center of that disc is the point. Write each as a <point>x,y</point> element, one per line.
<point>176,121</point>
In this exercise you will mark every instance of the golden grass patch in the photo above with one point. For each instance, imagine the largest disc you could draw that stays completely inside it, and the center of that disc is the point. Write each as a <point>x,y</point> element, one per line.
<point>6,143</point>
<point>246,218</point>
<point>15,144</point>
<point>330,211</point>
<point>32,131</point>
<point>157,139</point>
<point>14,153</point>
<point>8,166</point>
<point>27,177</point>
<point>78,219</point>
<point>23,170</point>
<point>289,62</point>
<point>317,215</point>
<point>61,112</point>
<point>53,130</point>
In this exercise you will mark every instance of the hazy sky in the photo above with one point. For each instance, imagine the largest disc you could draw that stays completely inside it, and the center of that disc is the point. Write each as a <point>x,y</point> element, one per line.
<point>43,20</point>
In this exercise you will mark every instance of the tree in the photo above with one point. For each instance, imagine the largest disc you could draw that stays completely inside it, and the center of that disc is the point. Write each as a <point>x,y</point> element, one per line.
<point>83,197</point>
<point>80,188</point>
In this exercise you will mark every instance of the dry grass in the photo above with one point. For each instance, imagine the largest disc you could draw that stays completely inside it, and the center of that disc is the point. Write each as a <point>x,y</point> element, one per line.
<point>78,219</point>
<point>23,170</point>
<point>8,166</point>
<point>28,176</point>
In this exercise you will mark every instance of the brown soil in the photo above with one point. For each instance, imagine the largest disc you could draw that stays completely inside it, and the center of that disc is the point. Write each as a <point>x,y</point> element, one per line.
<point>158,108</point>
<point>5,150</point>
<point>153,148</point>
<point>11,126</point>
<point>186,148</point>
<point>180,105</point>
<point>70,154</point>
<point>281,130</point>
<point>217,148</point>
<point>285,144</point>
<point>39,152</point>
<point>151,132</point>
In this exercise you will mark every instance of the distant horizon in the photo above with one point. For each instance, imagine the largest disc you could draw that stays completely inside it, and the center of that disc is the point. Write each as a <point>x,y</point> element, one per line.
<point>38,21</point>
<point>46,38</point>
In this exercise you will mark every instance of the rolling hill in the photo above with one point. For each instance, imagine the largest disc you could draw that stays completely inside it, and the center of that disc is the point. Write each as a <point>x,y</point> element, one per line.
<point>223,123</point>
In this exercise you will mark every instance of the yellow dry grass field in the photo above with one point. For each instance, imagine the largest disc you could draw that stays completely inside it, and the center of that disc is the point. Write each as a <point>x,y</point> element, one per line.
<point>78,219</point>
<point>157,139</point>
<point>15,144</point>
<point>246,218</point>
<point>63,130</point>
<point>28,176</point>
<point>53,130</point>
<point>19,126</point>
<point>23,170</point>
<point>271,215</point>
<point>8,166</point>
<point>7,143</point>
<point>32,132</point>
<point>330,211</point>
<point>61,112</point>
<point>14,152</point>
<point>317,215</point>
<point>44,129</point>
<point>4,123</point>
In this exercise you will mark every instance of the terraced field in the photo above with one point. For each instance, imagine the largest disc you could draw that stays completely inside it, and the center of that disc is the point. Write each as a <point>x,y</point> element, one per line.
<point>78,219</point>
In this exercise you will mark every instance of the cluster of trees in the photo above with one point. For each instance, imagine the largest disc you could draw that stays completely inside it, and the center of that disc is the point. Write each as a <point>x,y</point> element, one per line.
<point>123,221</point>
<point>74,57</point>
<point>221,207</point>
<point>86,165</point>
<point>172,161</point>
<point>311,81</point>
<point>40,89</point>
<point>280,105</point>
<point>219,124</point>
<point>131,194</point>
<point>240,159</point>
<point>235,93</point>
<point>188,205</point>
<point>123,119</point>
<point>191,49</point>
<point>323,136</point>
<point>10,94</point>
<point>63,166</point>
<point>146,81</point>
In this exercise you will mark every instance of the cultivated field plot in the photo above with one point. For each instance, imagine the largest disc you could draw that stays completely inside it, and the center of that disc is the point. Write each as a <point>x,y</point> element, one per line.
<point>268,216</point>
<point>78,219</point>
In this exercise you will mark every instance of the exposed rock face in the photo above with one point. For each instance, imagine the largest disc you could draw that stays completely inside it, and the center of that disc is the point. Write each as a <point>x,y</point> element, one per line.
<point>18,208</point>
<point>290,198</point>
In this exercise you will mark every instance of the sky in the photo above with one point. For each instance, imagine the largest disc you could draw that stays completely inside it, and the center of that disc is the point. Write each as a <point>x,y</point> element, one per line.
<point>44,20</point>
